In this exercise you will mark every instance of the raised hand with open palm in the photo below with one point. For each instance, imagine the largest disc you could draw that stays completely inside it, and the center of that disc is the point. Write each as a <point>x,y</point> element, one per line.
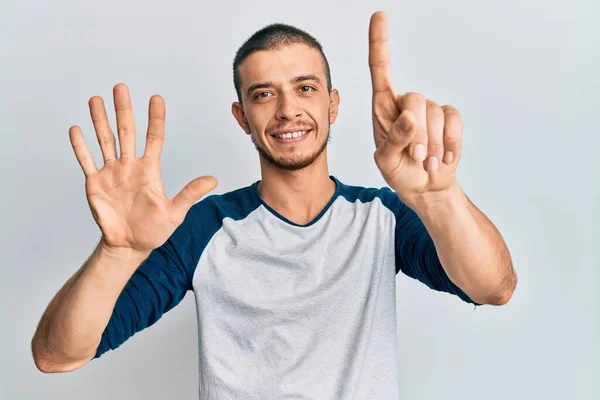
<point>126,196</point>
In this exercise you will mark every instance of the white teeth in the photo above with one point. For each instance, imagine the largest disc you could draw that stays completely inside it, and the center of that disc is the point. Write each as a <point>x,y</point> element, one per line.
<point>290,135</point>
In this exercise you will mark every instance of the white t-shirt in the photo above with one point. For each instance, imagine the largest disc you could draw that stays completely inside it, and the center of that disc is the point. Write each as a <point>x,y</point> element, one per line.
<point>287,311</point>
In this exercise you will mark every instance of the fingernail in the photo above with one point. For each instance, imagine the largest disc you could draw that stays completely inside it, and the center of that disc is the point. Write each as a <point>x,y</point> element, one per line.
<point>419,152</point>
<point>448,157</point>
<point>434,163</point>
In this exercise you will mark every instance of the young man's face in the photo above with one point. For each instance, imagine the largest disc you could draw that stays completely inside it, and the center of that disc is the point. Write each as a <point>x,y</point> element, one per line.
<point>286,106</point>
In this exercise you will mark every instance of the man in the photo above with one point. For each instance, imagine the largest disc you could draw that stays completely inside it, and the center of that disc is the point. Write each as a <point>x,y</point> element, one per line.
<point>293,275</point>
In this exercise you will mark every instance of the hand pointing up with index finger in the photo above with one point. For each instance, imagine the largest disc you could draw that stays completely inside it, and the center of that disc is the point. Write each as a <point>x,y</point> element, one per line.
<point>418,143</point>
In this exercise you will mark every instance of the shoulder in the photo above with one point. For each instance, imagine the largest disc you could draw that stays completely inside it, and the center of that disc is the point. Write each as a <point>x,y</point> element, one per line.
<point>364,194</point>
<point>210,211</point>
<point>202,221</point>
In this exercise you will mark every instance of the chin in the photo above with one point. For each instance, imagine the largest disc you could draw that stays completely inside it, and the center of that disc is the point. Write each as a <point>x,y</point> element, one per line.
<point>293,164</point>
<point>294,161</point>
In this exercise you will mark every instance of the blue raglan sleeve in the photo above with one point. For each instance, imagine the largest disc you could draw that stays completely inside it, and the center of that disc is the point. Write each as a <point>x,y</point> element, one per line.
<point>416,255</point>
<point>158,284</point>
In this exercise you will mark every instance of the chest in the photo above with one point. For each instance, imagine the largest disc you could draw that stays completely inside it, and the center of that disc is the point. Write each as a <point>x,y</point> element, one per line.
<point>265,262</point>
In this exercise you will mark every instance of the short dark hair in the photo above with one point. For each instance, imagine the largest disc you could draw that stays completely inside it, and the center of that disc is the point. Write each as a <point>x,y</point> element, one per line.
<point>273,37</point>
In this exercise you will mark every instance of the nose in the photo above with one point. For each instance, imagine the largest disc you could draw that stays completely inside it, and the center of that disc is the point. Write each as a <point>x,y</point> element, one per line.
<point>288,108</point>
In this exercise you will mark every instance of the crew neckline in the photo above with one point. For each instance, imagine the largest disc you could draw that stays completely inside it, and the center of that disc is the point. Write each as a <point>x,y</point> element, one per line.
<point>336,193</point>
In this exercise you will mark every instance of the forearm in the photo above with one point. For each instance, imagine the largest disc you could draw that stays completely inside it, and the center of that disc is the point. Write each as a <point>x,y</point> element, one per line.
<point>470,248</point>
<point>71,327</point>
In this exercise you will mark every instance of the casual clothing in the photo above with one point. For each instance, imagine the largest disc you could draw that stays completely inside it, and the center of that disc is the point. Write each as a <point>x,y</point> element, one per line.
<point>287,311</point>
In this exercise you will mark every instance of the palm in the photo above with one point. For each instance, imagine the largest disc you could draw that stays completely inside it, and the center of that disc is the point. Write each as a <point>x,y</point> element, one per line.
<point>126,196</point>
<point>127,200</point>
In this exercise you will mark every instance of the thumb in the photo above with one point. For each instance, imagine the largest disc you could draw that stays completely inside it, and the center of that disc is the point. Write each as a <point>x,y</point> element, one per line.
<point>190,194</point>
<point>403,132</point>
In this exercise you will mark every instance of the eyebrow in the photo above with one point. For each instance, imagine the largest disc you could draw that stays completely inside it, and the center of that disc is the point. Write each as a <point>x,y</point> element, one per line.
<point>298,79</point>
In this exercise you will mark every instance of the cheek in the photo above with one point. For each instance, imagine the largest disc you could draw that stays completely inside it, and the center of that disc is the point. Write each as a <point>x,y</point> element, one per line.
<point>318,111</point>
<point>260,118</point>
<point>255,122</point>
<point>326,108</point>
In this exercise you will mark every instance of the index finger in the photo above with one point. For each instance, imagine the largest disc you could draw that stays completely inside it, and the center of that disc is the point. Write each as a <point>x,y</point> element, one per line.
<point>379,60</point>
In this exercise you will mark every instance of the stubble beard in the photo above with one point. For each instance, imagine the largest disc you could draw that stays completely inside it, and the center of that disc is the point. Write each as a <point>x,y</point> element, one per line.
<point>293,162</point>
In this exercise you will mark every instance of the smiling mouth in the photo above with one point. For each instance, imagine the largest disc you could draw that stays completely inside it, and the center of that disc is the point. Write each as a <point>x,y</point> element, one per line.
<point>291,135</point>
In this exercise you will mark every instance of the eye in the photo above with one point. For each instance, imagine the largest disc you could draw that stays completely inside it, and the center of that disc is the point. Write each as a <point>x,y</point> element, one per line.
<point>308,88</point>
<point>260,95</point>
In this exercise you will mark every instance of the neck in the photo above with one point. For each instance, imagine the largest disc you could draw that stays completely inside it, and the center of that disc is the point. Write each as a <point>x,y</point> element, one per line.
<point>297,195</point>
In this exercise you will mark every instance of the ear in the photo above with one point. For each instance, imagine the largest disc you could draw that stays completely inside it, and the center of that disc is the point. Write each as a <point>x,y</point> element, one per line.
<point>334,102</point>
<point>238,112</point>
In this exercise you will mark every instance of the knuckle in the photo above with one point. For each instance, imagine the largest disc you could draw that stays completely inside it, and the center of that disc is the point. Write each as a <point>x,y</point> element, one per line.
<point>433,108</point>
<point>431,103</point>
<point>451,138</point>
<point>453,126</point>
<point>107,139</point>
<point>123,131</point>
<point>415,97</point>
<point>450,110</point>
<point>435,147</point>
<point>379,63</point>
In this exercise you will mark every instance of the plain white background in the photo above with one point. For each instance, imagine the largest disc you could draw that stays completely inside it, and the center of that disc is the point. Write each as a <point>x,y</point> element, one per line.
<point>524,74</point>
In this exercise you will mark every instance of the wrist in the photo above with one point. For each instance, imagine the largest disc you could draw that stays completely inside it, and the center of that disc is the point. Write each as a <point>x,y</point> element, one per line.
<point>121,254</point>
<point>434,203</point>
